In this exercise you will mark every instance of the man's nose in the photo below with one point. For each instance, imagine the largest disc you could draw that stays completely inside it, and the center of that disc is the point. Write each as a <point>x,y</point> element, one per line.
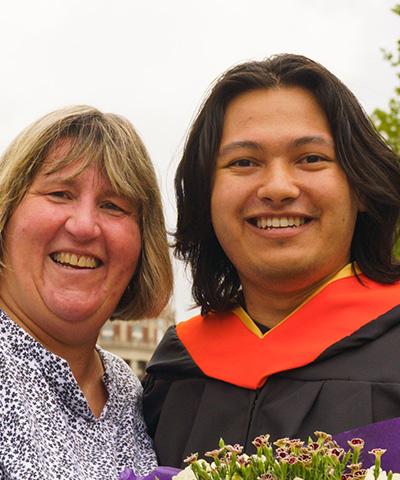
<point>278,185</point>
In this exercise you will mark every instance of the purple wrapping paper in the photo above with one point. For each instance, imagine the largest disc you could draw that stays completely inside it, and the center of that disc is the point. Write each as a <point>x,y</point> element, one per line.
<point>162,473</point>
<point>377,435</point>
<point>384,435</point>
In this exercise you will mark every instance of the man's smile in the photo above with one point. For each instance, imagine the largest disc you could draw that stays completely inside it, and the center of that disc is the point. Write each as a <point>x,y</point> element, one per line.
<point>278,222</point>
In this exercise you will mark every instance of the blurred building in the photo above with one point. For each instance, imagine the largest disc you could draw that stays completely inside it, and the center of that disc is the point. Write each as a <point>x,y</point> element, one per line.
<point>135,341</point>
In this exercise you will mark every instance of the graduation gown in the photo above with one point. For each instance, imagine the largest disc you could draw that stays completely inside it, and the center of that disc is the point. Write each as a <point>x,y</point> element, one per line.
<point>332,365</point>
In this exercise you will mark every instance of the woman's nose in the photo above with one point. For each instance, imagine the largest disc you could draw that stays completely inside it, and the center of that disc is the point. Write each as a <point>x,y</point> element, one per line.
<point>83,222</point>
<point>278,185</point>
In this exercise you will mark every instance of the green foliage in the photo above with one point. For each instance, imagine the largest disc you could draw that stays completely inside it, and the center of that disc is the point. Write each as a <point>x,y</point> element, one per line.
<point>388,121</point>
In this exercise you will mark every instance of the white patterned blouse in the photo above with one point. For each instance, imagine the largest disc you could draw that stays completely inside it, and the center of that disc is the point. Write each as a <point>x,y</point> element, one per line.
<point>47,429</point>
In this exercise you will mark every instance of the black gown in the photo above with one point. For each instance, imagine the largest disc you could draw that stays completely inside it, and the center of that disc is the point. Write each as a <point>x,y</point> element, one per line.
<point>353,382</point>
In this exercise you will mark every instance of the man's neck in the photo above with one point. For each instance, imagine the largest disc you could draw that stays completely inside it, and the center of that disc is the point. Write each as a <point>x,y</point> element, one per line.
<point>269,305</point>
<point>268,311</point>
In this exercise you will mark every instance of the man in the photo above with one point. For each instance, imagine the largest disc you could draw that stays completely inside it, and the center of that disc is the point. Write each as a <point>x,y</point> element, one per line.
<point>288,202</point>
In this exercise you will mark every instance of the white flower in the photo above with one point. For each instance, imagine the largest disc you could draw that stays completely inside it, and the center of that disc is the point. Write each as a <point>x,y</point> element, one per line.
<point>186,474</point>
<point>213,466</point>
<point>263,458</point>
<point>204,465</point>
<point>370,474</point>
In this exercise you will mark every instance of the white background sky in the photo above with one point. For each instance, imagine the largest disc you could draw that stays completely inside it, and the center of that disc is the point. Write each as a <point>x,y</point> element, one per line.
<point>153,60</point>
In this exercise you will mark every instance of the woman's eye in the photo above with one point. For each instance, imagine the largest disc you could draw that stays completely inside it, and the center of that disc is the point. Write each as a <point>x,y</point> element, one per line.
<point>59,194</point>
<point>113,207</point>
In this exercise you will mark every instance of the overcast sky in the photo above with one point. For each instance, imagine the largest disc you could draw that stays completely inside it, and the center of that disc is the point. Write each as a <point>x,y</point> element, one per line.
<point>152,61</point>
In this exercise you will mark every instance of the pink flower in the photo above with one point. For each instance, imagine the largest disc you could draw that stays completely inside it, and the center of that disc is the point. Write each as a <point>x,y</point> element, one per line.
<point>192,458</point>
<point>282,442</point>
<point>378,452</point>
<point>323,436</point>
<point>360,473</point>
<point>347,476</point>
<point>336,452</point>
<point>261,441</point>
<point>243,459</point>
<point>281,453</point>
<point>295,442</point>
<point>355,467</point>
<point>356,443</point>
<point>235,448</point>
<point>214,453</point>
<point>313,447</point>
<point>305,459</point>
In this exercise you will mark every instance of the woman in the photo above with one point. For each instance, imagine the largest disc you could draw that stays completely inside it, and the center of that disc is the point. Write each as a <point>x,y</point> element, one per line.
<point>82,240</point>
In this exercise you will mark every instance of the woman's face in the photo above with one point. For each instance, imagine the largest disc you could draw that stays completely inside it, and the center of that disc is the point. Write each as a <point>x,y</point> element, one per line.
<point>71,248</point>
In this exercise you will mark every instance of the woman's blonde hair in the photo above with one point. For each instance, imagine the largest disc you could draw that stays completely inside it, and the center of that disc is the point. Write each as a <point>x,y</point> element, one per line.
<point>112,142</point>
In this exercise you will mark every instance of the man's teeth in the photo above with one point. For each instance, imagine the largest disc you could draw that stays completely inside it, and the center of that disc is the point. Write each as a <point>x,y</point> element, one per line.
<point>71,260</point>
<point>279,222</point>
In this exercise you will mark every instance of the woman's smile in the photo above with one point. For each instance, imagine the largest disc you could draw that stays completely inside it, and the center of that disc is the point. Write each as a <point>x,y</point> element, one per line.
<point>75,261</point>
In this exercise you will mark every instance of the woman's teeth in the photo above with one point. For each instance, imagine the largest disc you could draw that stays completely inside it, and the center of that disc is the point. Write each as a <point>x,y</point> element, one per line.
<point>72,260</point>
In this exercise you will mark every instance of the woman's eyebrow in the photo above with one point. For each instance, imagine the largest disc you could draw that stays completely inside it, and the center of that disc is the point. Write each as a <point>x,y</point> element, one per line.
<point>56,177</point>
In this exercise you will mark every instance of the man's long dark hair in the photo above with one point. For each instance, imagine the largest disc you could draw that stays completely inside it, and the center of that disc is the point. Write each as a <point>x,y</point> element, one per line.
<point>372,169</point>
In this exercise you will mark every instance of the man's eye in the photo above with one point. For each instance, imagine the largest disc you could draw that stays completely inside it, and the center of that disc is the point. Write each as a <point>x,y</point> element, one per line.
<point>310,159</point>
<point>242,162</point>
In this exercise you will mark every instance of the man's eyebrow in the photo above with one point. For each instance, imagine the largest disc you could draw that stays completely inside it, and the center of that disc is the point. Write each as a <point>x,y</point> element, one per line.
<point>231,147</point>
<point>313,139</point>
<point>295,143</point>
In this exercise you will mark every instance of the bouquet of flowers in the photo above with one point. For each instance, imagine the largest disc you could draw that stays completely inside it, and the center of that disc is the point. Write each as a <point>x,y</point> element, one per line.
<point>320,459</point>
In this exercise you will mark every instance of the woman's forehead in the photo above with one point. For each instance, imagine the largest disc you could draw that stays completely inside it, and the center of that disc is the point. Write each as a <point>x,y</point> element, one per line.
<point>68,151</point>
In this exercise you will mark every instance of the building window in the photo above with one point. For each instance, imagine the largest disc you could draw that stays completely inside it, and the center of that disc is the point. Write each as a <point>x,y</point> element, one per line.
<point>137,333</point>
<point>107,332</point>
<point>141,369</point>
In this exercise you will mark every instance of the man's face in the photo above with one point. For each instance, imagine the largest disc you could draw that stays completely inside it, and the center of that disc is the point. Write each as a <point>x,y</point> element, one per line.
<point>281,206</point>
